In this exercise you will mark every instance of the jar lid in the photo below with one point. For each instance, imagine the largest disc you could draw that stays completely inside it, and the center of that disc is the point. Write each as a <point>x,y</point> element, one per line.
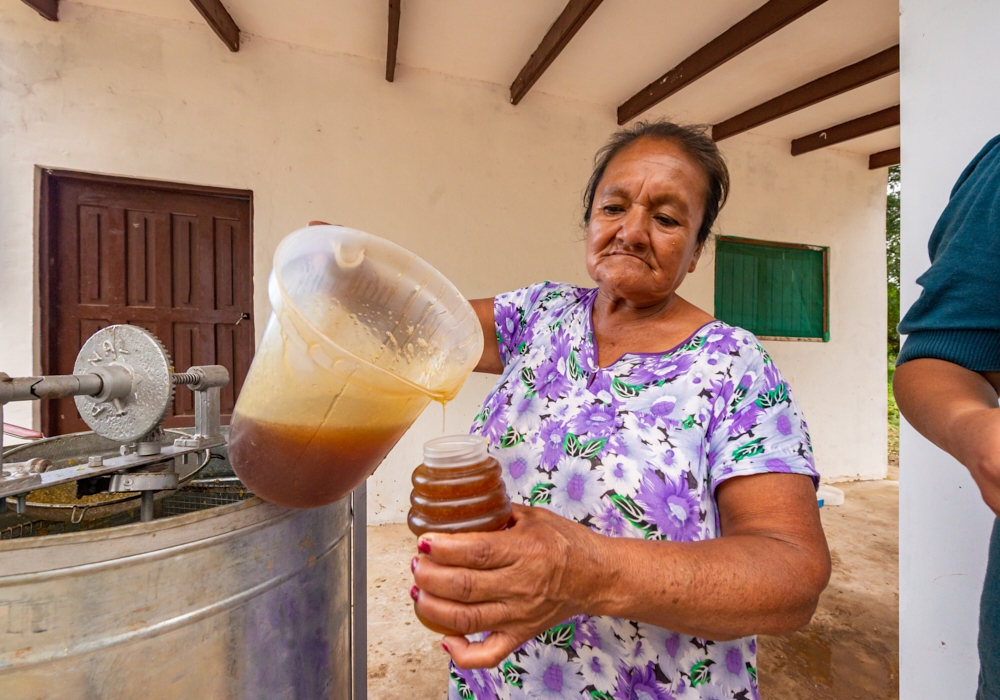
<point>455,451</point>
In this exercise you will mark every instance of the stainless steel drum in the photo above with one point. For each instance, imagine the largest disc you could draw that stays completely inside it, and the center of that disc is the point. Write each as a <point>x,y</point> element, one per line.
<point>244,600</point>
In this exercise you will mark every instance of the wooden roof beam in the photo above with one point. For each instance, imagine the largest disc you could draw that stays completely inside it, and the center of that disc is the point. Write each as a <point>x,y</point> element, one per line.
<point>565,27</point>
<point>752,29</point>
<point>862,126</point>
<point>882,64</point>
<point>220,21</point>
<point>390,53</point>
<point>49,9</point>
<point>883,159</point>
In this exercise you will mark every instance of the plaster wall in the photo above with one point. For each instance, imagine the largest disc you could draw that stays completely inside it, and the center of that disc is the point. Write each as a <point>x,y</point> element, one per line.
<point>486,192</point>
<point>949,55</point>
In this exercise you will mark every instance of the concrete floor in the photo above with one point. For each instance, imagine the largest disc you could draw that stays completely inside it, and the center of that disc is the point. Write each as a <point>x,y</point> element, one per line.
<point>849,650</point>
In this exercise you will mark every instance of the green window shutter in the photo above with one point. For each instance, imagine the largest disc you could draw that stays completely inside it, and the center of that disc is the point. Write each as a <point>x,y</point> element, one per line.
<point>774,290</point>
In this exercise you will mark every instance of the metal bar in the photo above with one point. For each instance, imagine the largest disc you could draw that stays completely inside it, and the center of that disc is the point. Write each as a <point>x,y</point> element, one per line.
<point>53,387</point>
<point>146,506</point>
<point>862,126</point>
<point>113,464</point>
<point>359,591</point>
<point>880,65</point>
<point>749,31</point>
<point>565,27</point>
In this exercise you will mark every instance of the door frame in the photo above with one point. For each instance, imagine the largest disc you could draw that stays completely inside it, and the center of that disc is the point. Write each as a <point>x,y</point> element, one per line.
<point>48,225</point>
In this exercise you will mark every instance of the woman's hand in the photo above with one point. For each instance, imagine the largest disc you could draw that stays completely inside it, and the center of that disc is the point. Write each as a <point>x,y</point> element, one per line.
<point>515,583</point>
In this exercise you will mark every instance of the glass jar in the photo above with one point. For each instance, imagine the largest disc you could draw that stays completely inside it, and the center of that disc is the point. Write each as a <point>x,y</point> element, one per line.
<point>458,488</point>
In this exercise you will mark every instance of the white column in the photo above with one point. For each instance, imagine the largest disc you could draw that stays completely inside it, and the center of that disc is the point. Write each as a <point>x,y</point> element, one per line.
<point>950,96</point>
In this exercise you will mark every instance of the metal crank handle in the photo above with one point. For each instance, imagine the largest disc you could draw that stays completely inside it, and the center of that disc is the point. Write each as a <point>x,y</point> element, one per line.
<point>104,384</point>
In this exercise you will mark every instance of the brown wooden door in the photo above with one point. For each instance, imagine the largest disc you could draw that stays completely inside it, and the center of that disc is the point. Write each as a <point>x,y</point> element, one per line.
<point>174,259</point>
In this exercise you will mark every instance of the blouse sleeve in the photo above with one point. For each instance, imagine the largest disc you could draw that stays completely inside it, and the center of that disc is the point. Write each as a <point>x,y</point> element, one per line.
<point>513,314</point>
<point>758,425</point>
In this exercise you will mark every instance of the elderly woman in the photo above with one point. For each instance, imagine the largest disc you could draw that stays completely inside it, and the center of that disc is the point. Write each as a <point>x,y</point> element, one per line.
<point>665,471</point>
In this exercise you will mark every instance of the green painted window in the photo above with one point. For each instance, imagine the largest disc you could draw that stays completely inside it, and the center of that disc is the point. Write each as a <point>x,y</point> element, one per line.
<point>774,290</point>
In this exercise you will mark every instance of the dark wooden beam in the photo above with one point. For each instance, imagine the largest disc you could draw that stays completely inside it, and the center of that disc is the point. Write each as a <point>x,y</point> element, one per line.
<point>883,159</point>
<point>49,9</point>
<point>220,21</point>
<point>750,30</point>
<point>880,65</point>
<point>390,54</point>
<point>565,27</point>
<point>868,124</point>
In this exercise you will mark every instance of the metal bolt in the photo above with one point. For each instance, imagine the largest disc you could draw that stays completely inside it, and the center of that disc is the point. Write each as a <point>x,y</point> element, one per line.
<point>128,482</point>
<point>95,461</point>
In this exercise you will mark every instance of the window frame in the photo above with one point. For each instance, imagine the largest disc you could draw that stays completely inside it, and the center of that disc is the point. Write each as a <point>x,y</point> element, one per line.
<point>825,250</point>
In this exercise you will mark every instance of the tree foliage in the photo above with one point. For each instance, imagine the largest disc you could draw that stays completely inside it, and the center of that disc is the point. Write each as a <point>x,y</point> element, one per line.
<point>892,258</point>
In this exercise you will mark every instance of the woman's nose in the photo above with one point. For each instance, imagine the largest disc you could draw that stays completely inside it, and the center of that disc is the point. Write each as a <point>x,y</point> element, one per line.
<point>634,231</point>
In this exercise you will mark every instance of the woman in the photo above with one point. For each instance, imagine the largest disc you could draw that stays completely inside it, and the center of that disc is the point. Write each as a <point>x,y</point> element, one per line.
<point>662,471</point>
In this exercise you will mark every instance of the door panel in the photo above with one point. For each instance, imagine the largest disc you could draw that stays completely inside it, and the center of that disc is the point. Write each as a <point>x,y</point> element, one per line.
<point>175,259</point>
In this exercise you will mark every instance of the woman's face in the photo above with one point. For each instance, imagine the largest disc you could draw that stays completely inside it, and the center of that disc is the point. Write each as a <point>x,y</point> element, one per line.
<point>643,234</point>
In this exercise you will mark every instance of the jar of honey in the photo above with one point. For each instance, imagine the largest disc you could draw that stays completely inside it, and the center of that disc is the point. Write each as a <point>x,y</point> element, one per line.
<point>458,488</point>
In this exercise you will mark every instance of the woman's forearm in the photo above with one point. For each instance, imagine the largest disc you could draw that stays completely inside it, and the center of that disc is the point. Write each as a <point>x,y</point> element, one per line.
<point>716,589</point>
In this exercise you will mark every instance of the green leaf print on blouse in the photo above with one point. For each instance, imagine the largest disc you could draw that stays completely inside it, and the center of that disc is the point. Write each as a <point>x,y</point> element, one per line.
<point>587,450</point>
<point>777,395</point>
<point>624,390</point>
<point>701,673</point>
<point>511,438</point>
<point>541,494</point>
<point>750,449</point>
<point>464,691</point>
<point>598,695</point>
<point>560,635</point>
<point>512,674</point>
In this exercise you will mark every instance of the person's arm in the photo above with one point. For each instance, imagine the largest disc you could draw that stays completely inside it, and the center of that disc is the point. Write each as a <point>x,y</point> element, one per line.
<point>490,362</point>
<point>956,409</point>
<point>764,575</point>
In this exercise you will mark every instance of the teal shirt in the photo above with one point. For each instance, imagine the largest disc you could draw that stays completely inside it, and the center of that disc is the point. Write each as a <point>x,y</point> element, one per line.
<point>957,317</point>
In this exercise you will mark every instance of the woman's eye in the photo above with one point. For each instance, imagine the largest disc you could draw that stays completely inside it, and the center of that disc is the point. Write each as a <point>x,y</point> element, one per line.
<point>611,209</point>
<point>666,221</point>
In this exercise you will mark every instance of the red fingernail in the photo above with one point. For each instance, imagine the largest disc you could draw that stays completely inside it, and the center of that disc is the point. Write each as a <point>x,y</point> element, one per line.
<point>445,646</point>
<point>414,593</point>
<point>424,547</point>
<point>413,564</point>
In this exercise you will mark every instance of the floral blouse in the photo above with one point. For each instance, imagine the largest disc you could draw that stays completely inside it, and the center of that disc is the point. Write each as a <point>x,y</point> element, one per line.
<point>635,449</point>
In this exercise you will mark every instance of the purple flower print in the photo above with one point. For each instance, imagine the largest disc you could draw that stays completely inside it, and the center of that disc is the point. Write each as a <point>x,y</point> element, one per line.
<point>784,424</point>
<point>659,370</point>
<point>640,684</point>
<point>549,674</point>
<point>495,420</point>
<point>480,682</point>
<point>596,420</point>
<point>778,465</point>
<point>550,382</point>
<point>551,436</point>
<point>745,419</point>
<point>670,506</point>
<point>721,340</point>
<point>610,522</point>
<point>508,325</point>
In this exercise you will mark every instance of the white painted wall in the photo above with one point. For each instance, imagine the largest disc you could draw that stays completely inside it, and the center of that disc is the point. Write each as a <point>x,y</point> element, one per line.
<point>949,55</point>
<point>487,192</point>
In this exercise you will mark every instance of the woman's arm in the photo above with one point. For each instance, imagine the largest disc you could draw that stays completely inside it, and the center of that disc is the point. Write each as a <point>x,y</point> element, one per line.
<point>764,574</point>
<point>490,362</point>
<point>956,409</point>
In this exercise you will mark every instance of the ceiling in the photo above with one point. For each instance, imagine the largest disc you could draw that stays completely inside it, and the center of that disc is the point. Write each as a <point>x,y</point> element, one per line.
<point>625,45</point>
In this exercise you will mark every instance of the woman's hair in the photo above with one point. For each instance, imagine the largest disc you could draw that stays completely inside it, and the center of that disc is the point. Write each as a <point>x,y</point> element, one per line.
<point>693,140</point>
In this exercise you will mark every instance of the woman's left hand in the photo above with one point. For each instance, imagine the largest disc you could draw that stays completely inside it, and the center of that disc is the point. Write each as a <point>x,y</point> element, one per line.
<point>515,583</point>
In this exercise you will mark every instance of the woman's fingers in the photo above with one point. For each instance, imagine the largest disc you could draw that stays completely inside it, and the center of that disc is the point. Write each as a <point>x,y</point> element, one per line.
<point>474,550</point>
<point>462,617</point>
<point>485,654</point>
<point>462,584</point>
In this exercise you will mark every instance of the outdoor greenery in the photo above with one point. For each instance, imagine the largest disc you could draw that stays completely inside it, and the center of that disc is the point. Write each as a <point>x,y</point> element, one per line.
<point>892,258</point>
<point>892,312</point>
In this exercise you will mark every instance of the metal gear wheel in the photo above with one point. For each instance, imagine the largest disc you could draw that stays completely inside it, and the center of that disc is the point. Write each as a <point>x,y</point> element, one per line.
<point>148,362</point>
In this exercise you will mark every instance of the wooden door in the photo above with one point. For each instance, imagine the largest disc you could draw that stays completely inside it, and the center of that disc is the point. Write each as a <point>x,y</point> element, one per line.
<point>174,259</point>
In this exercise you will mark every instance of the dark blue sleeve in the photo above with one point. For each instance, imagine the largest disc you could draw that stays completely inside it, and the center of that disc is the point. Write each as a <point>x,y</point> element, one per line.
<point>957,317</point>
